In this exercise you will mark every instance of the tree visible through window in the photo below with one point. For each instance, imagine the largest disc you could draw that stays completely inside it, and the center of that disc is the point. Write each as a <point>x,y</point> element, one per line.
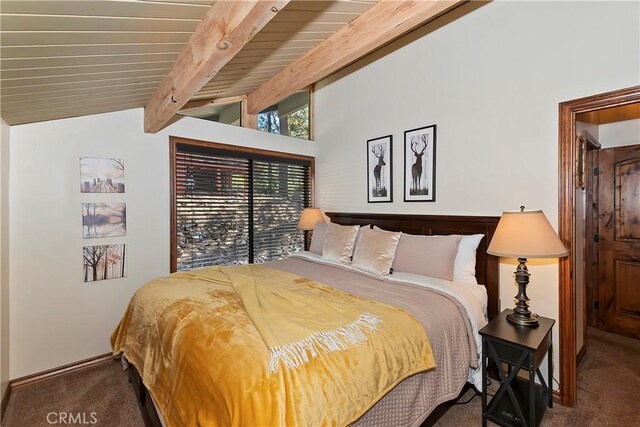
<point>234,207</point>
<point>288,117</point>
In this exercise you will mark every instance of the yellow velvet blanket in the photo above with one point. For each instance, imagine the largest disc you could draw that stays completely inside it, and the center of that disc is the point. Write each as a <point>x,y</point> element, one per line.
<point>253,346</point>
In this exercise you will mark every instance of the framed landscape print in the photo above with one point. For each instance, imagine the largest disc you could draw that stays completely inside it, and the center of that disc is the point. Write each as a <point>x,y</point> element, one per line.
<point>420,164</point>
<point>100,175</point>
<point>380,170</point>
<point>102,262</point>
<point>104,220</point>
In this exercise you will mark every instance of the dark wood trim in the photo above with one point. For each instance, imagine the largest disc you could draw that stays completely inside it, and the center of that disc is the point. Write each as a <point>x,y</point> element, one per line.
<point>591,141</point>
<point>312,109</point>
<point>60,371</point>
<point>240,148</point>
<point>567,153</point>
<point>487,266</point>
<point>581,353</point>
<point>173,220</point>
<point>174,141</point>
<point>5,402</point>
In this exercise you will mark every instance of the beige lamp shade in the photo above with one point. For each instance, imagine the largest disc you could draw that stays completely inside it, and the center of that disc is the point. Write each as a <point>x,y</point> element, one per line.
<point>309,218</point>
<point>526,234</point>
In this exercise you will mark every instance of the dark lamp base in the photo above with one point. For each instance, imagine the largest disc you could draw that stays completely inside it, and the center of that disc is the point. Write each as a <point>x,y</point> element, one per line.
<point>530,321</point>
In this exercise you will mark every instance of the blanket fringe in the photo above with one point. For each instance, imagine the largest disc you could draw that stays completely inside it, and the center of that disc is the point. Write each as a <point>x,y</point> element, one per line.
<point>338,339</point>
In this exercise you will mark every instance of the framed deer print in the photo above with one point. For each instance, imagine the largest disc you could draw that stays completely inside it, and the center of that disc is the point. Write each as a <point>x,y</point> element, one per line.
<point>379,170</point>
<point>420,164</point>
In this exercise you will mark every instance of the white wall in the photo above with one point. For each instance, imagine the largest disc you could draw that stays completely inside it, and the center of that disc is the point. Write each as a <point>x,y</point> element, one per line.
<point>55,318</point>
<point>491,81</point>
<point>4,257</point>
<point>619,134</point>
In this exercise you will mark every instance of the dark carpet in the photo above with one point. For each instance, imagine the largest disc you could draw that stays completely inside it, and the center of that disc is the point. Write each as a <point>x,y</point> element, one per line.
<point>608,394</point>
<point>97,396</point>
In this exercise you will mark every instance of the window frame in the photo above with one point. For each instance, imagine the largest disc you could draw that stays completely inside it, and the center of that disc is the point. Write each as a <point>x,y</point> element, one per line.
<point>238,151</point>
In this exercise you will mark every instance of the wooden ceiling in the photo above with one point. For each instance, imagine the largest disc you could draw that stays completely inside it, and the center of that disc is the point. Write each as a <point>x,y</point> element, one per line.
<point>69,58</point>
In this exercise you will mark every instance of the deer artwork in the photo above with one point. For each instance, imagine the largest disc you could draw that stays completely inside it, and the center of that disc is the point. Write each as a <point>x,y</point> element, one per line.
<point>416,168</point>
<point>378,151</point>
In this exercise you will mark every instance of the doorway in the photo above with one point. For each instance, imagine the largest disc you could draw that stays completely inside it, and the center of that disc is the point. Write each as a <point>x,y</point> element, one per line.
<point>569,151</point>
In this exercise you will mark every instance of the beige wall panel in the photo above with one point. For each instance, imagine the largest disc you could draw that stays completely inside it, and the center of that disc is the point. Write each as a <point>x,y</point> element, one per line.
<point>54,115</point>
<point>287,44</point>
<point>296,27</point>
<point>54,104</point>
<point>275,53</point>
<point>196,2</point>
<point>7,52</point>
<point>105,37</point>
<point>75,61</point>
<point>288,35</point>
<point>135,101</point>
<point>62,94</point>
<point>40,76</point>
<point>47,99</point>
<point>104,9</point>
<point>331,6</point>
<point>81,23</point>
<point>80,85</point>
<point>254,62</point>
<point>297,16</point>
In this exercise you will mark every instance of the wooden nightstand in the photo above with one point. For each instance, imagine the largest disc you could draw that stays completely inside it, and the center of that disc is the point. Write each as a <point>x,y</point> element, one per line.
<point>519,401</point>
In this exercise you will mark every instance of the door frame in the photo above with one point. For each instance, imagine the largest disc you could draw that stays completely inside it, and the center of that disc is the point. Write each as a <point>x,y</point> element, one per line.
<point>567,155</point>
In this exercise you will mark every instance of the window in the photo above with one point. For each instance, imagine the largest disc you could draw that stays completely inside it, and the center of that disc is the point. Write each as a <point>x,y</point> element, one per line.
<point>288,117</point>
<point>235,206</point>
<point>229,114</point>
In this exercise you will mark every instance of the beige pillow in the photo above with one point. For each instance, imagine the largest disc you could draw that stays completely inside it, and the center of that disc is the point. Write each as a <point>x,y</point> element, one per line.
<point>431,256</point>
<point>338,245</point>
<point>317,238</point>
<point>375,251</point>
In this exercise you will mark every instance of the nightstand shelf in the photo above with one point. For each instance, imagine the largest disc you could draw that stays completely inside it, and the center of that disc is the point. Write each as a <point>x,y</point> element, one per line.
<point>519,401</point>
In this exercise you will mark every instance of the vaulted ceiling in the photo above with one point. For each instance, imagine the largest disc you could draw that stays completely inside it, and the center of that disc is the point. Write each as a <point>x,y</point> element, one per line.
<point>69,58</point>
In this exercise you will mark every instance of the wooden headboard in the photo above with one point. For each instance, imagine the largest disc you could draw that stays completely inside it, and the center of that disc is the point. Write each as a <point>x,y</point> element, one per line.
<point>486,265</point>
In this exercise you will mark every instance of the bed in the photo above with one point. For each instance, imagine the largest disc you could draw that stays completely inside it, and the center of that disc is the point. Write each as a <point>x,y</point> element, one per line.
<point>449,321</point>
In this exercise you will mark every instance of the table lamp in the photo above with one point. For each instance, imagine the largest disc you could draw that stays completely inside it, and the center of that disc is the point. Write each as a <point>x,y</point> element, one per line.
<point>525,234</point>
<point>308,220</point>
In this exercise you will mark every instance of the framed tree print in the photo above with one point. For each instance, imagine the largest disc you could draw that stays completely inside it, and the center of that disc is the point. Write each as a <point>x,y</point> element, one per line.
<point>380,170</point>
<point>420,164</point>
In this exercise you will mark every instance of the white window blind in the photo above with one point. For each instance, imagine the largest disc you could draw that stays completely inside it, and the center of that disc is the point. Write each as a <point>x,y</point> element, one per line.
<point>235,207</point>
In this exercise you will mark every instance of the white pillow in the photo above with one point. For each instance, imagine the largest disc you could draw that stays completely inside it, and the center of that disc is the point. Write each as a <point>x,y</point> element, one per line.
<point>318,237</point>
<point>339,242</point>
<point>464,266</point>
<point>375,251</point>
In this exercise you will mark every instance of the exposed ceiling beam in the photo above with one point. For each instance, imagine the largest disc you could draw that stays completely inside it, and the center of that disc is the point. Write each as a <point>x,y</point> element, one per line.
<point>203,103</point>
<point>225,29</point>
<point>378,26</point>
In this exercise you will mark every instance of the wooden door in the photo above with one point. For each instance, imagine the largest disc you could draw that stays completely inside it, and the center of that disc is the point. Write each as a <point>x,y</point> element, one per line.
<point>619,240</point>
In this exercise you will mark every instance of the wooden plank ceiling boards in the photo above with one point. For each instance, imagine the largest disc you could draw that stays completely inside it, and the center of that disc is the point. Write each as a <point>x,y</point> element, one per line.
<point>62,58</point>
<point>70,58</point>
